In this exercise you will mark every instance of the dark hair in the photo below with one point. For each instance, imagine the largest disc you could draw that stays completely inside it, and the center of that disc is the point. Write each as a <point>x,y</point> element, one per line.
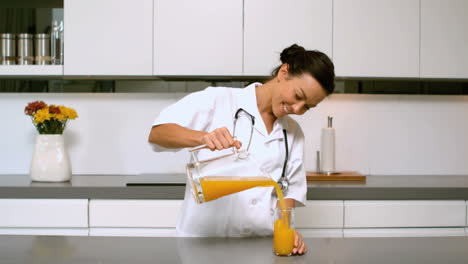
<point>313,62</point>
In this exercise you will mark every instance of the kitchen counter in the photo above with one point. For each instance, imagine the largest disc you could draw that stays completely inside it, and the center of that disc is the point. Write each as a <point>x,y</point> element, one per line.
<point>100,250</point>
<point>172,186</point>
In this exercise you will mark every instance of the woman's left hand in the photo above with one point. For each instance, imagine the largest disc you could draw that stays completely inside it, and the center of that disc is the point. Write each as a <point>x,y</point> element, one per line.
<point>299,245</point>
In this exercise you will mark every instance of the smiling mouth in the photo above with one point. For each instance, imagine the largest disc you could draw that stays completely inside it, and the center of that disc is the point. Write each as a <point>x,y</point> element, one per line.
<point>285,109</point>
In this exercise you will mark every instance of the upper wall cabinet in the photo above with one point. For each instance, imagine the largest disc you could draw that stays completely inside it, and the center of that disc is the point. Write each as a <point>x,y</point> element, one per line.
<point>272,25</point>
<point>376,38</point>
<point>108,37</point>
<point>444,38</point>
<point>202,37</point>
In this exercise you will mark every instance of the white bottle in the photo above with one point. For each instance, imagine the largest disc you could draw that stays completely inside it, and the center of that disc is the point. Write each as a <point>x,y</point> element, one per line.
<point>328,148</point>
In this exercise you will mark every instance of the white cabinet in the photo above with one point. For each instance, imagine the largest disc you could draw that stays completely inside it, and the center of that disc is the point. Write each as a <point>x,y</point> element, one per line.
<point>271,26</point>
<point>320,219</point>
<point>133,217</point>
<point>108,37</point>
<point>139,217</point>
<point>466,210</point>
<point>404,232</point>
<point>376,38</point>
<point>444,37</point>
<point>132,231</point>
<point>58,213</point>
<point>44,216</point>
<point>134,213</point>
<point>374,214</point>
<point>320,214</point>
<point>201,37</point>
<point>45,231</point>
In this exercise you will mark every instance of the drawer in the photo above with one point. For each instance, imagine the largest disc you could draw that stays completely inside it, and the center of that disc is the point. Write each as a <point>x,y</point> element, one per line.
<point>132,232</point>
<point>320,214</point>
<point>45,231</point>
<point>320,232</point>
<point>466,209</point>
<point>134,213</point>
<point>404,232</point>
<point>56,213</point>
<point>404,213</point>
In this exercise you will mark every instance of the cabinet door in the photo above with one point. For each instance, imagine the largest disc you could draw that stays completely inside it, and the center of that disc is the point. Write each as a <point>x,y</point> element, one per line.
<point>45,231</point>
<point>134,213</point>
<point>444,35</point>
<point>44,213</point>
<point>404,232</point>
<point>376,38</point>
<point>466,210</point>
<point>320,214</point>
<point>108,37</point>
<point>201,37</point>
<point>270,26</point>
<point>133,231</point>
<point>371,214</point>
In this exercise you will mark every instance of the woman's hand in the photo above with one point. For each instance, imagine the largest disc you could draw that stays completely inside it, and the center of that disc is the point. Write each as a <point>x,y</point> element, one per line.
<point>219,139</point>
<point>299,245</point>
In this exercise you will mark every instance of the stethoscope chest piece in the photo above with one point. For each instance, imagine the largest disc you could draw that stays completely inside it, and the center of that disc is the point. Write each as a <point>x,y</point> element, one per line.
<point>283,184</point>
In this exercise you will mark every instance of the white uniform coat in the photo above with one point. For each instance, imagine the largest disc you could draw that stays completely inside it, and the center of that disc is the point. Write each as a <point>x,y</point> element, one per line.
<point>250,212</point>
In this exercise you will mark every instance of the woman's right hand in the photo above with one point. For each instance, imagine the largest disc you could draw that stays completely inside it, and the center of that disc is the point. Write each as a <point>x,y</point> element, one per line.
<point>219,139</point>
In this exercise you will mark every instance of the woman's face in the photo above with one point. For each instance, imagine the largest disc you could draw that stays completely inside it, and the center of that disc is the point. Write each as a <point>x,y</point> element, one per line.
<point>295,95</point>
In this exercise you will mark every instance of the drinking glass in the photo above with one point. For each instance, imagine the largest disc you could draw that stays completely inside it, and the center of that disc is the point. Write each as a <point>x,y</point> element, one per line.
<point>283,233</point>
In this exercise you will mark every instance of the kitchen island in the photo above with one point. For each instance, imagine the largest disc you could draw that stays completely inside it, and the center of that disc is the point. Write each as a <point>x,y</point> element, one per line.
<point>106,250</point>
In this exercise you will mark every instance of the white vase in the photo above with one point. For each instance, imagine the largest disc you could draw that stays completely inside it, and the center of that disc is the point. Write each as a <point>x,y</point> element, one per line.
<point>50,161</point>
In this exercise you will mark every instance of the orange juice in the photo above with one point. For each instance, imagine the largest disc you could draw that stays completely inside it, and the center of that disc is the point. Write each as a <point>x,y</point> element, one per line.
<point>214,187</point>
<point>283,238</point>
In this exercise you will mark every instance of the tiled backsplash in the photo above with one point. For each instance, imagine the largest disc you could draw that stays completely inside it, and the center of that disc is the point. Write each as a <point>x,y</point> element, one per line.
<point>375,134</point>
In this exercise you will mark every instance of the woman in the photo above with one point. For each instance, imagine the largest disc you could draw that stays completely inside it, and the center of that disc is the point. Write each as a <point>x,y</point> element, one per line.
<point>301,82</point>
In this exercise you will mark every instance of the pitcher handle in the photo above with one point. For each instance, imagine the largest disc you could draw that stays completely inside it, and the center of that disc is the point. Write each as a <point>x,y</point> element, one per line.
<point>195,150</point>
<point>204,146</point>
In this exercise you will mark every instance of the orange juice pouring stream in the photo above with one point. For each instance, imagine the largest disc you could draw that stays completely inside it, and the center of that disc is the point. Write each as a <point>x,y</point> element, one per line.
<point>214,187</point>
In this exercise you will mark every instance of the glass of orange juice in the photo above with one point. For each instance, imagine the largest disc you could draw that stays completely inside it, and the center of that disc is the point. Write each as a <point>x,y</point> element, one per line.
<point>283,232</point>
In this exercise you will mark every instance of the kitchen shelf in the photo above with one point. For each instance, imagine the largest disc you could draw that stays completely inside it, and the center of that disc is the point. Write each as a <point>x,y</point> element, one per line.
<point>31,70</point>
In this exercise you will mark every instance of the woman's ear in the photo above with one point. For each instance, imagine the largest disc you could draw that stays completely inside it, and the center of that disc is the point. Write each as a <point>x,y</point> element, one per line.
<point>283,72</point>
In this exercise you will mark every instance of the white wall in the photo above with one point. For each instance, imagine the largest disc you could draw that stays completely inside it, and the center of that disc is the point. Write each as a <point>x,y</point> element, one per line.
<point>376,134</point>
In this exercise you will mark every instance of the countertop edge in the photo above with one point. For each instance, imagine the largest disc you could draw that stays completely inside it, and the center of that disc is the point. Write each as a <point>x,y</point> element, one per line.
<point>177,192</point>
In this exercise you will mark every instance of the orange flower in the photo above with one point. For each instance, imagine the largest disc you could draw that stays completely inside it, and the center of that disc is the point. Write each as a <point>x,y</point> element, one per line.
<point>53,109</point>
<point>32,107</point>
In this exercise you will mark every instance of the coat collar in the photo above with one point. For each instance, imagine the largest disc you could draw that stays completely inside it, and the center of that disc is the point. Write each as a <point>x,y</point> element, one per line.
<point>248,101</point>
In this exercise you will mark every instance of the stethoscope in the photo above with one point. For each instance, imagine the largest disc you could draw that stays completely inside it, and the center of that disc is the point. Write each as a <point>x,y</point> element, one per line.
<point>283,181</point>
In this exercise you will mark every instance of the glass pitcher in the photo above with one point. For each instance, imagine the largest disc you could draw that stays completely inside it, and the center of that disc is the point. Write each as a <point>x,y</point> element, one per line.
<point>229,173</point>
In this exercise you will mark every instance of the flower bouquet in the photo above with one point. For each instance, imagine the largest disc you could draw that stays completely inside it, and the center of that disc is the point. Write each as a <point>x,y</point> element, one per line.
<point>50,162</point>
<point>49,119</point>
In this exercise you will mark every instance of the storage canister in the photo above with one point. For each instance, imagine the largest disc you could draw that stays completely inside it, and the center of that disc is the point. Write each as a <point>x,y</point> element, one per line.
<point>7,49</point>
<point>24,49</point>
<point>42,49</point>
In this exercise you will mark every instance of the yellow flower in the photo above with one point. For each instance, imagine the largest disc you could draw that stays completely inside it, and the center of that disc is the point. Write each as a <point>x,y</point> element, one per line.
<point>41,115</point>
<point>60,117</point>
<point>68,113</point>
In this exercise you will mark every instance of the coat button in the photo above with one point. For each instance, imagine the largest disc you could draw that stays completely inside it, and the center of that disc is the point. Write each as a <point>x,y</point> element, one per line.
<point>254,202</point>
